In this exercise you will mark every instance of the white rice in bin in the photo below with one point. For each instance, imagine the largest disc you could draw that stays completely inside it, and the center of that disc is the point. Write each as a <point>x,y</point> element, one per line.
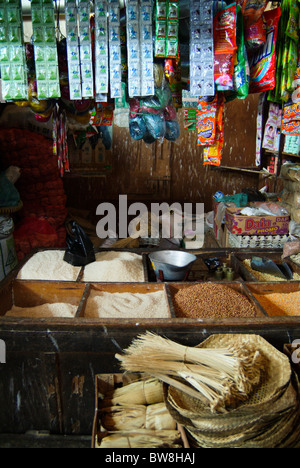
<point>111,266</point>
<point>49,265</point>
<point>58,309</point>
<point>102,304</point>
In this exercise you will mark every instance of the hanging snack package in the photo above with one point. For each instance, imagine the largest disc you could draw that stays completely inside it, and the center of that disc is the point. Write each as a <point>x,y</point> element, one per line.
<point>206,120</point>
<point>263,61</point>
<point>241,65</point>
<point>225,47</point>
<point>212,154</point>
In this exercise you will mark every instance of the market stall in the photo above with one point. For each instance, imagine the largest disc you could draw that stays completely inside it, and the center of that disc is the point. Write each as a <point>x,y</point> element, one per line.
<point>111,111</point>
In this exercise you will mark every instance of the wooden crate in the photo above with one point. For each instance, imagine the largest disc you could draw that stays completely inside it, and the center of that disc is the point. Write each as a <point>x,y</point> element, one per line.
<point>105,383</point>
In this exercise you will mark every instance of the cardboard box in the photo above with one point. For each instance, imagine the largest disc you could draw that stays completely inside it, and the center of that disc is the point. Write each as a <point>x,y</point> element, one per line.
<point>255,225</point>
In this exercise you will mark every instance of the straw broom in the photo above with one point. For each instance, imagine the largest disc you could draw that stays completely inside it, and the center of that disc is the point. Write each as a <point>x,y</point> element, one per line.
<point>220,377</point>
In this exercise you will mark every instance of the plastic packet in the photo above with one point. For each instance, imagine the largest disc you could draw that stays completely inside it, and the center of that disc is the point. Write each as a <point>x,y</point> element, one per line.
<point>44,39</point>
<point>140,48</point>
<point>202,81</point>
<point>12,52</point>
<point>225,47</point>
<point>101,48</point>
<point>263,61</point>
<point>271,127</point>
<point>212,154</point>
<point>241,65</point>
<point>154,118</point>
<point>206,120</point>
<point>166,18</point>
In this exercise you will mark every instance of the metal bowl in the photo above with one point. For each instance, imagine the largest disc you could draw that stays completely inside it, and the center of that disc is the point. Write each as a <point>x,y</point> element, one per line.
<point>171,265</point>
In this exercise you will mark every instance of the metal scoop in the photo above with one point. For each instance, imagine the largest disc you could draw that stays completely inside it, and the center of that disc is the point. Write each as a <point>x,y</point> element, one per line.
<point>266,265</point>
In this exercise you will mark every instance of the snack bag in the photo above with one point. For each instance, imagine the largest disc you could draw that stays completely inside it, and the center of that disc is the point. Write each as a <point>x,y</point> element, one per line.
<point>263,61</point>
<point>212,154</point>
<point>241,65</point>
<point>225,47</point>
<point>206,120</point>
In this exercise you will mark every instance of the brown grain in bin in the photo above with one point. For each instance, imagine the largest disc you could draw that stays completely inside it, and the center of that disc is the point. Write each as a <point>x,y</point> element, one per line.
<point>105,383</point>
<point>213,304</point>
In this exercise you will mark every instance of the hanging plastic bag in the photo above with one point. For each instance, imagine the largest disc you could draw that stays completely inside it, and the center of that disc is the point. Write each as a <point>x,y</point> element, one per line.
<point>263,61</point>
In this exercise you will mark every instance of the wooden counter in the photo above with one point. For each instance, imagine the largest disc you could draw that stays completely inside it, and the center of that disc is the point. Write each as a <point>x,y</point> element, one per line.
<point>48,380</point>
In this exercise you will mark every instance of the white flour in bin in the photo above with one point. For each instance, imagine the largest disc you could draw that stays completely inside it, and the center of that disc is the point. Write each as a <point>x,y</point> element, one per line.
<point>102,304</point>
<point>49,265</point>
<point>113,266</point>
<point>58,309</point>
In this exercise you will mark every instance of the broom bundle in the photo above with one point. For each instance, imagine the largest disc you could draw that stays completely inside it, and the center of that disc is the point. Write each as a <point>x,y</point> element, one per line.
<point>125,418</point>
<point>219,377</point>
<point>141,392</point>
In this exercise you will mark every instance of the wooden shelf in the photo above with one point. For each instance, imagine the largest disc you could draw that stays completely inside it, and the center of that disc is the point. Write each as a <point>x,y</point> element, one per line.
<point>244,169</point>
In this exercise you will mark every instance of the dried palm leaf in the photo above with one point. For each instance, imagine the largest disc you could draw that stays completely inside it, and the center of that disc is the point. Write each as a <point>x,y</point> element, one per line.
<point>142,392</point>
<point>141,439</point>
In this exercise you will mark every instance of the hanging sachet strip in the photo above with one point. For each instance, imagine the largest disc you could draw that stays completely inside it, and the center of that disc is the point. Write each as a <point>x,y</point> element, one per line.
<point>146,48</point>
<point>101,49</point>
<point>133,48</point>
<point>114,35</point>
<point>12,52</point>
<point>140,48</point>
<point>45,49</point>
<point>74,73</point>
<point>201,48</point>
<point>85,49</point>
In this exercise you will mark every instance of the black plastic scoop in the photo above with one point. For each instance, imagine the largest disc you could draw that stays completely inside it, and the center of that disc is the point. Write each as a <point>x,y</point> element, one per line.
<point>80,249</point>
<point>266,265</point>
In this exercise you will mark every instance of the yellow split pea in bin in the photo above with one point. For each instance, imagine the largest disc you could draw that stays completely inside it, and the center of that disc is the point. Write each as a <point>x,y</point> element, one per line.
<point>172,265</point>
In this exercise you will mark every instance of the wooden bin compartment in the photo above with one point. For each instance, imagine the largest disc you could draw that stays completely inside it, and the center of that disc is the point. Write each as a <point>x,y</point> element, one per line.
<point>142,254</point>
<point>287,297</point>
<point>27,293</point>
<point>105,383</point>
<point>94,289</point>
<point>236,286</point>
<point>248,275</point>
<point>16,271</point>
